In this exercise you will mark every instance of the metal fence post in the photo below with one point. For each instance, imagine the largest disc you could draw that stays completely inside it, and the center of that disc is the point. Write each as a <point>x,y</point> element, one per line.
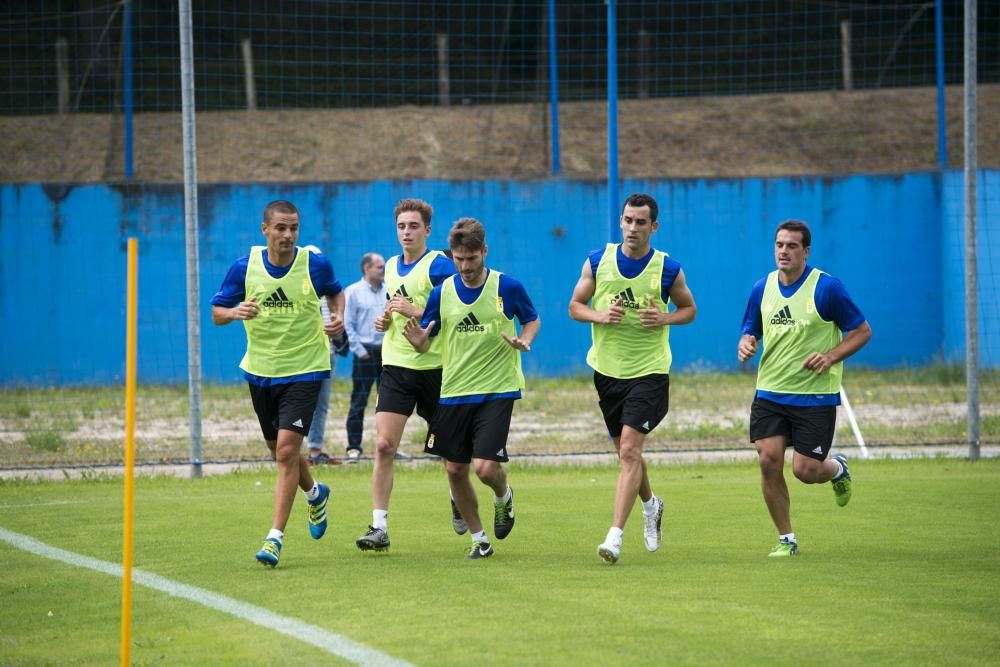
<point>971,269</point>
<point>191,235</point>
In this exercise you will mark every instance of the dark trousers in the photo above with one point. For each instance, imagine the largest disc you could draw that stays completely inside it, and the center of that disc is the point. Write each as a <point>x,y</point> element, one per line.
<point>364,372</point>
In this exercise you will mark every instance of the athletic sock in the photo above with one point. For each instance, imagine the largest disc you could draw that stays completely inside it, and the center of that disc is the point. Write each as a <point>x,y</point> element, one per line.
<point>276,534</point>
<point>479,537</point>
<point>614,535</point>
<point>649,506</point>
<point>790,537</point>
<point>313,493</point>
<point>380,519</point>
<point>840,470</point>
<point>504,498</point>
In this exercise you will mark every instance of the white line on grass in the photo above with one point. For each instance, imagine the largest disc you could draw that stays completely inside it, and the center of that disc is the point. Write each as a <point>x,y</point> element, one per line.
<point>45,504</point>
<point>304,632</point>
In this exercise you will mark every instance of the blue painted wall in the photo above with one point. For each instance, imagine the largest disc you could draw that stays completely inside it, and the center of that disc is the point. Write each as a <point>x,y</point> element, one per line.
<point>894,240</point>
<point>988,260</point>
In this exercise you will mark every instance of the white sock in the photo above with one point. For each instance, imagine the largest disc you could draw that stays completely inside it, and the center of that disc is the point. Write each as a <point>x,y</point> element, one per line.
<point>479,537</point>
<point>840,468</point>
<point>789,537</point>
<point>504,498</point>
<point>380,519</point>
<point>313,493</point>
<point>275,534</point>
<point>649,506</point>
<point>614,535</point>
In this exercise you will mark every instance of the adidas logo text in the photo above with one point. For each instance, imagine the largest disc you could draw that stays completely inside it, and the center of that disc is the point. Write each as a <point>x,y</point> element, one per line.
<point>783,316</point>
<point>470,324</point>
<point>400,292</point>
<point>628,299</point>
<point>278,300</point>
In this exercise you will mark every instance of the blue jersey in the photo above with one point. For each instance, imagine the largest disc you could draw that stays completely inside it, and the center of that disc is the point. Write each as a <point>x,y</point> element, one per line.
<point>441,269</point>
<point>233,292</point>
<point>630,268</point>
<point>516,303</point>
<point>833,304</point>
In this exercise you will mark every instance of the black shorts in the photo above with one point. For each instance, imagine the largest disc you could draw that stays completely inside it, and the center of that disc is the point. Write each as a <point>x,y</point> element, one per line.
<point>640,402</point>
<point>288,406</point>
<point>460,433</point>
<point>400,389</point>
<point>810,429</point>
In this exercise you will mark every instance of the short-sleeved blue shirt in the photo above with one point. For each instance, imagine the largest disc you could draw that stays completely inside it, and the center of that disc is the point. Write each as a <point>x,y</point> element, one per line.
<point>233,292</point>
<point>516,303</point>
<point>833,303</point>
<point>441,268</point>
<point>630,268</point>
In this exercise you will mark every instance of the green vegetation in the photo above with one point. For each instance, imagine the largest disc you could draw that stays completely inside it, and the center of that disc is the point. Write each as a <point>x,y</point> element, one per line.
<point>903,407</point>
<point>906,574</point>
<point>46,439</point>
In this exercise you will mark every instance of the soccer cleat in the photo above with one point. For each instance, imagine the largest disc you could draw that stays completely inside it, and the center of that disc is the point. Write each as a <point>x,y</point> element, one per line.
<point>651,526</point>
<point>785,547</point>
<point>322,458</point>
<point>480,550</point>
<point>503,516</point>
<point>317,512</point>
<point>842,485</point>
<point>457,522</point>
<point>269,552</point>
<point>609,552</point>
<point>376,539</point>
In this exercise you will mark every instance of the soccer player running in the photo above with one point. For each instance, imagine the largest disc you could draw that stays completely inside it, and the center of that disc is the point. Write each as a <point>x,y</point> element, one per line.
<point>473,316</point>
<point>275,291</point>
<point>801,313</point>
<point>630,286</point>
<point>409,379</point>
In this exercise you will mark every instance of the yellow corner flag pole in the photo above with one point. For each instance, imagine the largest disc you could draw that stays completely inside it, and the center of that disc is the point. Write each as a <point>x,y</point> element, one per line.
<point>130,364</point>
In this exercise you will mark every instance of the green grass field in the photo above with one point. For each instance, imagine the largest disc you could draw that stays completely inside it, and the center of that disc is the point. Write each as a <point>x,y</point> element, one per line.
<point>908,573</point>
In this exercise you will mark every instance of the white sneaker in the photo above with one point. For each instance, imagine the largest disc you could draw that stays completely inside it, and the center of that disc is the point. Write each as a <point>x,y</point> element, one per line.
<point>609,552</point>
<point>651,526</point>
<point>353,455</point>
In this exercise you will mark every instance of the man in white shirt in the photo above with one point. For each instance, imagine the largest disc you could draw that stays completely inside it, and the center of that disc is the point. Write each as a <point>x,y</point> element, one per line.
<point>338,347</point>
<point>366,301</point>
